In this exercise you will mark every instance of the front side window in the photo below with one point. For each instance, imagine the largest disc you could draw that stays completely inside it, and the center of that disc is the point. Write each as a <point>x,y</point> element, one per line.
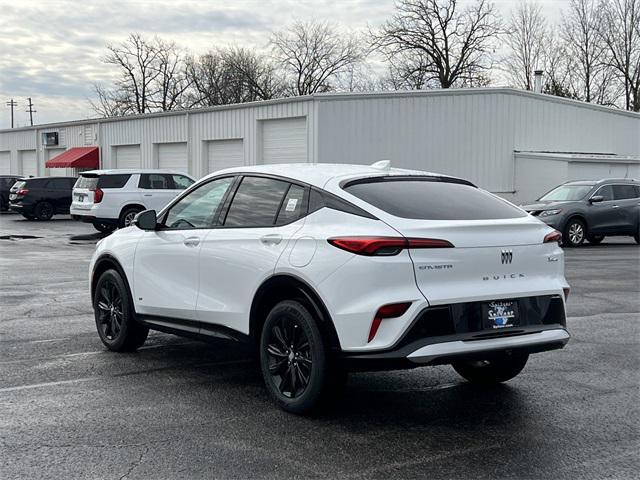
<point>605,192</point>
<point>624,192</point>
<point>567,193</point>
<point>256,202</point>
<point>155,181</point>
<point>200,207</point>
<point>430,199</point>
<point>180,182</point>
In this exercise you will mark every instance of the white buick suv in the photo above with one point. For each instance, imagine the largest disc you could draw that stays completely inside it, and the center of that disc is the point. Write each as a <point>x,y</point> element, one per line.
<point>329,268</point>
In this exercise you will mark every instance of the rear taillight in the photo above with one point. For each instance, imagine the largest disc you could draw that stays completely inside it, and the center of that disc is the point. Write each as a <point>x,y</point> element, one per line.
<point>554,236</point>
<point>97,195</point>
<point>392,310</point>
<point>22,191</point>
<point>384,246</point>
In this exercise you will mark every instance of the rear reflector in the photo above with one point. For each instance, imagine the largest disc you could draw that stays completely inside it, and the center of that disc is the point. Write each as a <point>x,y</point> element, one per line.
<point>554,236</point>
<point>392,310</point>
<point>385,245</point>
<point>97,195</point>
<point>22,191</point>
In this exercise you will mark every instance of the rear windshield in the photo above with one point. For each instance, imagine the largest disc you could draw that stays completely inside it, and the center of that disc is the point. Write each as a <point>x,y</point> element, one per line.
<point>86,182</point>
<point>433,200</point>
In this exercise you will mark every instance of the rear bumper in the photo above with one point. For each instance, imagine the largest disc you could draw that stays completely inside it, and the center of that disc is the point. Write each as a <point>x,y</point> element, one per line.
<point>93,219</point>
<point>455,332</point>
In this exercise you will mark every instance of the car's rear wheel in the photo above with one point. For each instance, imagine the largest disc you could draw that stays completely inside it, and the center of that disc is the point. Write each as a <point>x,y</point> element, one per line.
<point>44,211</point>
<point>117,327</point>
<point>595,239</point>
<point>104,227</point>
<point>495,370</point>
<point>292,357</point>
<point>574,233</point>
<point>127,216</point>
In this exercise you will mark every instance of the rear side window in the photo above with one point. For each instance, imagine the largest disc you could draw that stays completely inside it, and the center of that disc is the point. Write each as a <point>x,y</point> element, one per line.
<point>36,183</point>
<point>113,181</point>
<point>180,182</point>
<point>156,181</point>
<point>433,200</point>
<point>86,182</point>
<point>294,205</point>
<point>256,202</point>
<point>58,184</point>
<point>624,192</point>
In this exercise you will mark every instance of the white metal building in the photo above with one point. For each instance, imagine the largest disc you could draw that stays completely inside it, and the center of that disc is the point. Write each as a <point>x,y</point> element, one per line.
<point>515,143</point>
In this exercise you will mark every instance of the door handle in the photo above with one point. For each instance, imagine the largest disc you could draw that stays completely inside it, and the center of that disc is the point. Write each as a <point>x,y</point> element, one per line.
<point>191,241</point>
<point>148,195</point>
<point>615,206</point>
<point>273,239</point>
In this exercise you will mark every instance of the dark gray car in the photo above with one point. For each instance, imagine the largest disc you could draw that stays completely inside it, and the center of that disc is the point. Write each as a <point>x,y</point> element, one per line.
<point>591,209</point>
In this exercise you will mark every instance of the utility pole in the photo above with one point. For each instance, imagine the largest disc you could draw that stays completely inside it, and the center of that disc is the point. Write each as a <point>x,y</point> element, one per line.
<point>12,104</point>
<point>31,111</point>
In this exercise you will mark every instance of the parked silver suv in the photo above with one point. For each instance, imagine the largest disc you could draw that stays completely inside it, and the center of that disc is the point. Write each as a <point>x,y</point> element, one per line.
<point>591,210</point>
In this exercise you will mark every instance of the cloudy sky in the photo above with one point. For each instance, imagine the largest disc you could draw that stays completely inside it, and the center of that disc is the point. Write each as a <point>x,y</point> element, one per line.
<point>50,50</point>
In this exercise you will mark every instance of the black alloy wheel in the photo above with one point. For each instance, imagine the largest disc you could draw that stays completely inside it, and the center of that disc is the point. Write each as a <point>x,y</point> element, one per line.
<point>290,360</point>
<point>44,211</point>
<point>294,364</point>
<point>115,322</point>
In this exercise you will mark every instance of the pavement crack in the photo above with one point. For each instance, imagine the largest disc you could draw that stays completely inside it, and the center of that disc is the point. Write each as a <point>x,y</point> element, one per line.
<point>136,463</point>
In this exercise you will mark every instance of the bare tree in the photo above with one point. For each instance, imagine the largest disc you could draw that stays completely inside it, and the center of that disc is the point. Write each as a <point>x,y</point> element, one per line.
<point>585,47</point>
<point>313,54</point>
<point>171,82</point>
<point>558,69</point>
<point>528,35</point>
<point>109,103</point>
<point>620,32</point>
<point>233,75</point>
<point>451,45</point>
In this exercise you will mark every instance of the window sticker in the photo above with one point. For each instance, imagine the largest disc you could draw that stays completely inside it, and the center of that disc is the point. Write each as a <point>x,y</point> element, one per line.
<point>291,204</point>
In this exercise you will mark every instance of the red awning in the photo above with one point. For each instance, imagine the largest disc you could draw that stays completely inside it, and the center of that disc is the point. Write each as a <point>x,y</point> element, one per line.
<point>77,157</point>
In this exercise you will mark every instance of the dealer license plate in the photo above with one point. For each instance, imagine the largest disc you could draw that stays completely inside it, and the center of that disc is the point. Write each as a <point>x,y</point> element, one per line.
<point>500,314</point>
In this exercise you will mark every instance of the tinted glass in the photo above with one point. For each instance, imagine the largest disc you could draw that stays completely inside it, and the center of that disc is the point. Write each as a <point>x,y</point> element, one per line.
<point>113,181</point>
<point>36,183</point>
<point>294,205</point>
<point>155,181</point>
<point>58,184</point>
<point>180,182</point>
<point>569,193</point>
<point>606,192</point>
<point>86,182</point>
<point>623,192</point>
<point>433,200</point>
<point>199,208</point>
<point>256,202</point>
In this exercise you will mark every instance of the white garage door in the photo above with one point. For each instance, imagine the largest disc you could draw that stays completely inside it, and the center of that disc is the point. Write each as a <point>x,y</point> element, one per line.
<point>127,156</point>
<point>28,163</point>
<point>5,163</point>
<point>173,156</point>
<point>225,154</point>
<point>284,140</point>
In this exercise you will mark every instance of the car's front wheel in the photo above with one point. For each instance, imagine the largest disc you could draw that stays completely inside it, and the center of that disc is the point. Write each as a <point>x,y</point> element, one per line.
<point>574,233</point>
<point>117,327</point>
<point>292,357</point>
<point>495,370</point>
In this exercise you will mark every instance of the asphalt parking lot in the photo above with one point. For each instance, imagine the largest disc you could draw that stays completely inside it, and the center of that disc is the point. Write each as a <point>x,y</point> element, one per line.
<point>183,409</point>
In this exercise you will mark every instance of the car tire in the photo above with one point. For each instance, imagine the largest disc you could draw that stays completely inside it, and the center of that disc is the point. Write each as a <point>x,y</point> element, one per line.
<point>294,364</point>
<point>127,216</point>
<point>574,233</point>
<point>44,211</point>
<point>104,227</point>
<point>595,239</point>
<point>115,319</point>
<point>495,370</point>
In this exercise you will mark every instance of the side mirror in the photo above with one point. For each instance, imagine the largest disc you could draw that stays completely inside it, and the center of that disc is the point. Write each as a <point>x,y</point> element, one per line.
<point>596,199</point>
<point>146,220</point>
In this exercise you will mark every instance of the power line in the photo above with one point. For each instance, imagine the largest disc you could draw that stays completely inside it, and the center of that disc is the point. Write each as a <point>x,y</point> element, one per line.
<point>12,104</point>
<point>31,111</point>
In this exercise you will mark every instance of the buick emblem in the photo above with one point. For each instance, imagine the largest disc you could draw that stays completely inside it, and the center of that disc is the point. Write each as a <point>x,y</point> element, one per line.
<point>506,256</point>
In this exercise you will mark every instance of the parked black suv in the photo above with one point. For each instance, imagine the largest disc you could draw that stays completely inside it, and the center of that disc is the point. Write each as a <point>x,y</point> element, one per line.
<point>41,197</point>
<point>6,182</point>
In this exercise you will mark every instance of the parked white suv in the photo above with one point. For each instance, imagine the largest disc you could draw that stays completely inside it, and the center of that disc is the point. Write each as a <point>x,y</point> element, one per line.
<point>330,267</point>
<point>110,199</point>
